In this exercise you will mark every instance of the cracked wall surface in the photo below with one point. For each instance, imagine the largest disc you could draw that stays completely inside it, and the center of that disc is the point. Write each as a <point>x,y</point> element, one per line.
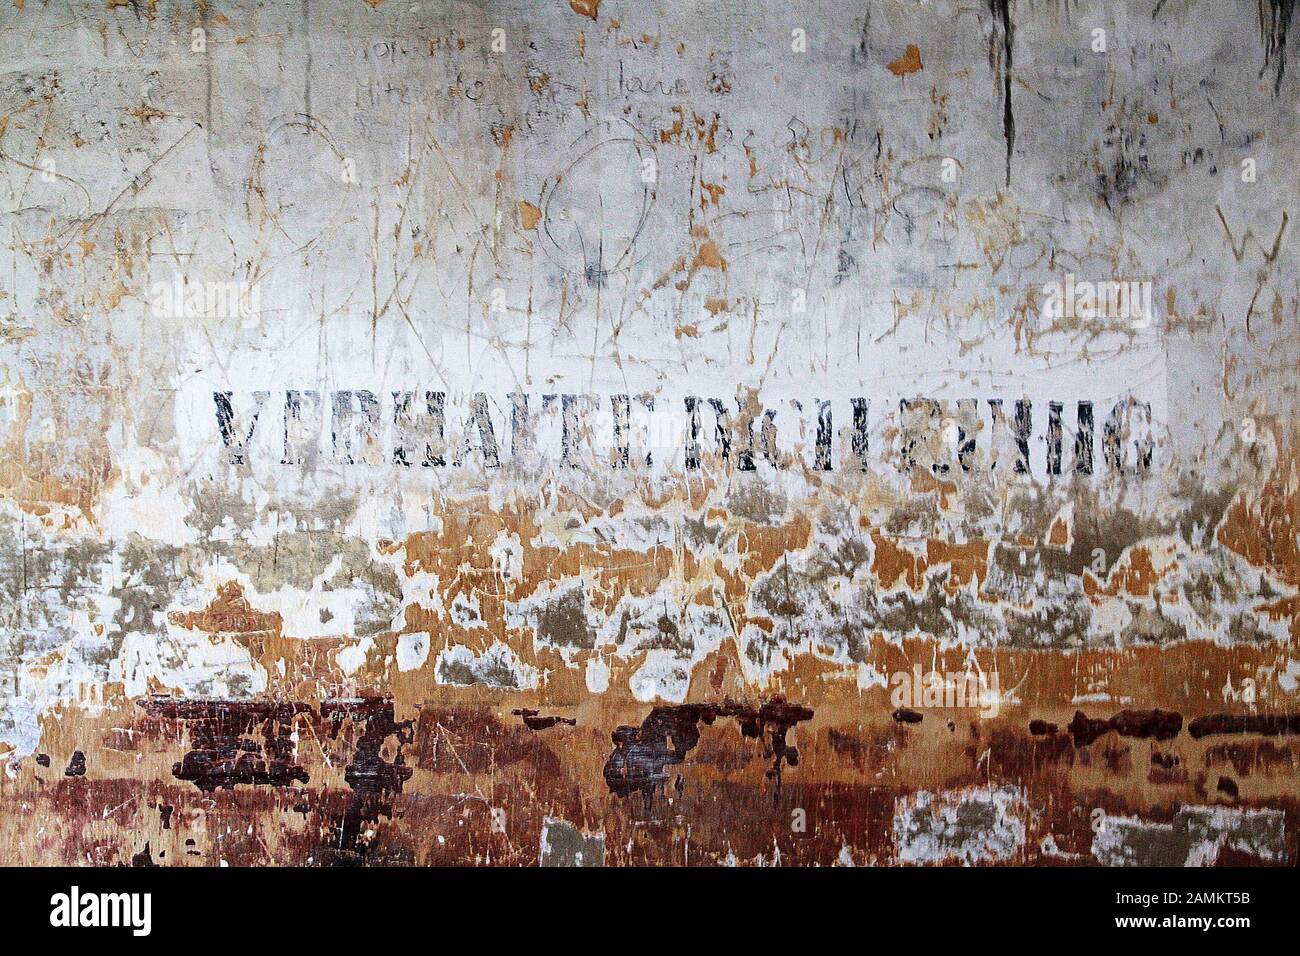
<point>532,432</point>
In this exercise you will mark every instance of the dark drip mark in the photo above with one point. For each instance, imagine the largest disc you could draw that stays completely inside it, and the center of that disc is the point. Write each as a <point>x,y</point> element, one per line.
<point>1041,728</point>
<point>905,715</point>
<point>642,754</point>
<point>1144,724</point>
<point>165,812</point>
<point>1270,725</point>
<point>863,50</point>
<point>534,721</point>
<point>776,718</point>
<point>1000,60</point>
<point>1274,21</point>
<point>1167,761</point>
<point>373,779</point>
<point>43,760</point>
<point>850,747</point>
<point>143,858</point>
<point>77,765</point>
<point>1251,756</point>
<point>222,755</point>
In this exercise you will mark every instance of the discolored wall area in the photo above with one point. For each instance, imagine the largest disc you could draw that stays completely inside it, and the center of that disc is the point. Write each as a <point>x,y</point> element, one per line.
<point>595,433</point>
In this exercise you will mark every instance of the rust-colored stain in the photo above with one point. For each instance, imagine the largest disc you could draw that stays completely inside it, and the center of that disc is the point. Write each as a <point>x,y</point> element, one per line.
<point>909,62</point>
<point>529,215</point>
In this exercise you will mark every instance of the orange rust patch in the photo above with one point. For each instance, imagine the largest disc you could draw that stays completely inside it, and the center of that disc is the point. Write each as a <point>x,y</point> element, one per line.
<point>1136,577</point>
<point>585,8</point>
<point>909,62</point>
<point>1266,530</point>
<point>528,214</point>
<point>893,563</point>
<point>1059,535</point>
<point>228,613</point>
<point>969,562</point>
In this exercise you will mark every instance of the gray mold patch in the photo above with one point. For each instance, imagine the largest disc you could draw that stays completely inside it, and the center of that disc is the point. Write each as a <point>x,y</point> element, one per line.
<point>752,499</point>
<point>558,617</point>
<point>563,844</point>
<point>497,667</point>
<point>1194,838</point>
<point>564,621</point>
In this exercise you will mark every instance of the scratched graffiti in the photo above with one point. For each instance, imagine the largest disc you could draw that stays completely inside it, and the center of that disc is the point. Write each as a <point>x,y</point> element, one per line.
<point>572,432</point>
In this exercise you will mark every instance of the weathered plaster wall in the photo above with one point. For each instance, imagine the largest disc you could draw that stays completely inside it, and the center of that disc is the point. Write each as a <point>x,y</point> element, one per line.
<point>471,432</point>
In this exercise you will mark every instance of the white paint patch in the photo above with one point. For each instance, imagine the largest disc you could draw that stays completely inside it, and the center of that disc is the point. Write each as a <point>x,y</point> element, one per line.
<point>466,611</point>
<point>869,676</point>
<point>597,675</point>
<point>976,825</point>
<point>423,590</point>
<point>412,651</point>
<point>146,500</point>
<point>661,677</point>
<point>351,659</point>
